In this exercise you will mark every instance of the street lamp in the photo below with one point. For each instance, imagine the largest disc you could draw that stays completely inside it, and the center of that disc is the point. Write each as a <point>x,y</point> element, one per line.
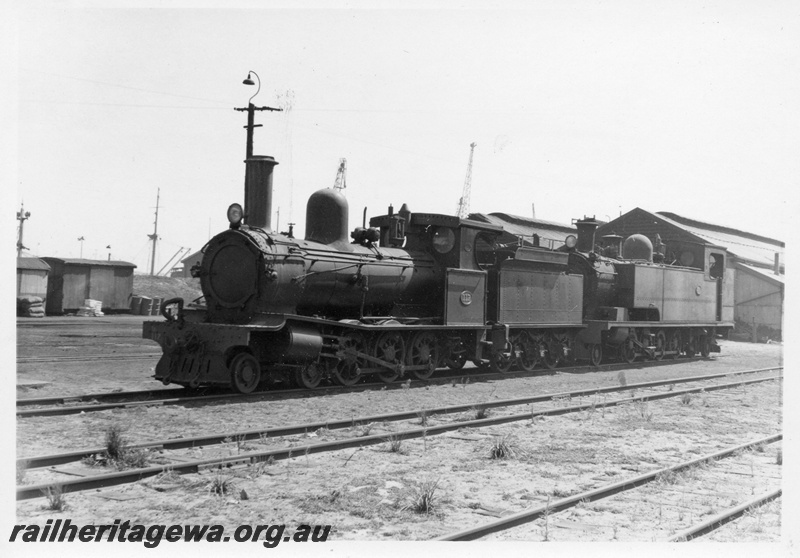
<point>251,111</point>
<point>248,81</point>
<point>81,239</point>
<point>109,252</point>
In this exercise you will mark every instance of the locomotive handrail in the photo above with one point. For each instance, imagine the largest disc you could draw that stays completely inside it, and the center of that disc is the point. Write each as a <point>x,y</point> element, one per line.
<point>169,317</point>
<point>304,275</point>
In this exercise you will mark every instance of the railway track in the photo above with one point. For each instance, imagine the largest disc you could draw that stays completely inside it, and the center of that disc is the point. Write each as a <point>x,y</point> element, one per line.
<point>55,406</point>
<point>540,512</point>
<point>192,466</point>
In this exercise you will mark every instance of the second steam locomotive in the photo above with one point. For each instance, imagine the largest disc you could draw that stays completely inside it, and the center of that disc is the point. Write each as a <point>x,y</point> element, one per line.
<point>412,292</point>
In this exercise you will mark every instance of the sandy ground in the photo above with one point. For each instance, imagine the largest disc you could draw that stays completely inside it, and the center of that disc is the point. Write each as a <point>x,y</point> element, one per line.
<point>369,494</point>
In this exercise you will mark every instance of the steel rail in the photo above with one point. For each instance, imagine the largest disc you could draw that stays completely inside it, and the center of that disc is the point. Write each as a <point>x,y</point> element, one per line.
<point>28,402</point>
<point>717,521</point>
<point>75,409</point>
<point>123,477</point>
<point>75,358</point>
<point>526,516</point>
<point>36,462</point>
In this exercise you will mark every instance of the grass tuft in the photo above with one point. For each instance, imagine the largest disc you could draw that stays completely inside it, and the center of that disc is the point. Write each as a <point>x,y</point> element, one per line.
<point>423,499</point>
<point>504,447</point>
<point>22,469</point>
<point>395,444</point>
<point>118,453</point>
<point>55,497</point>
<point>220,484</point>
<point>479,412</point>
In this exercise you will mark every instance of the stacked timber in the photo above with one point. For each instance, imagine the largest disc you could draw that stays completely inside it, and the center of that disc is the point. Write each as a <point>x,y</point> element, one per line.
<point>91,308</point>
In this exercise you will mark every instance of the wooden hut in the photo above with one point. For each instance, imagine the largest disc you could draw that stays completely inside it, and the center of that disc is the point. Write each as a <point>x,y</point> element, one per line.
<point>32,277</point>
<point>72,281</point>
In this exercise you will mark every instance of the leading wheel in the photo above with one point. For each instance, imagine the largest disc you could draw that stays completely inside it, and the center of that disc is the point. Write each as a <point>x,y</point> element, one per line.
<point>348,369</point>
<point>308,376</point>
<point>423,351</point>
<point>456,355</point>
<point>627,351</point>
<point>391,348</point>
<point>245,373</point>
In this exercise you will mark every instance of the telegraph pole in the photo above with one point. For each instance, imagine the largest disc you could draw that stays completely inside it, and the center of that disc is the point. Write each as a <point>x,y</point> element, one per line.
<point>22,215</point>
<point>154,236</point>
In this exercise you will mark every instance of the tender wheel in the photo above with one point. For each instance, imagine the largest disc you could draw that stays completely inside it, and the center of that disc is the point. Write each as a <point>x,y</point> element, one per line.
<point>550,352</point>
<point>674,344</point>
<point>705,347</point>
<point>502,362</point>
<point>691,347</point>
<point>566,348</point>
<point>423,350</point>
<point>391,348</point>
<point>596,354</point>
<point>528,355</point>
<point>308,376</point>
<point>661,345</point>
<point>348,369</point>
<point>245,373</point>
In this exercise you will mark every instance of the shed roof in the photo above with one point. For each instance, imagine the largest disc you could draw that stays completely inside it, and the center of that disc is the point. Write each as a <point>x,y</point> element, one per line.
<point>526,226</point>
<point>764,274</point>
<point>32,263</point>
<point>193,257</point>
<point>90,263</point>
<point>756,249</point>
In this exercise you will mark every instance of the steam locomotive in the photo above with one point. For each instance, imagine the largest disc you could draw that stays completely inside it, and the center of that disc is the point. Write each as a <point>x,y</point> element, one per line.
<point>412,292</point>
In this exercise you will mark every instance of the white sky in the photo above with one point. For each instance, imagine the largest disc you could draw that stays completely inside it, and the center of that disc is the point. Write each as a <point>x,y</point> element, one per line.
<point>581,108</point>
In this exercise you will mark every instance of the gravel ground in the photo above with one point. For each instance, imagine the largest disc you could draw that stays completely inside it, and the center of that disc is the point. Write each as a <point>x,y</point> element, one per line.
<point>368,494</point>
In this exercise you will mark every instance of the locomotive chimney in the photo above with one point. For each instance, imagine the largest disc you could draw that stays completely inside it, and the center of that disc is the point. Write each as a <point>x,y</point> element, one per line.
<point>258,191</point>
<point>586,229</point>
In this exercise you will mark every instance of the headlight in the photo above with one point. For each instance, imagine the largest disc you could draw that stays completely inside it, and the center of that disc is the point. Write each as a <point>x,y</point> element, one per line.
<point>443,240</point>
<point>235,214</point>
<point>571,241</point>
